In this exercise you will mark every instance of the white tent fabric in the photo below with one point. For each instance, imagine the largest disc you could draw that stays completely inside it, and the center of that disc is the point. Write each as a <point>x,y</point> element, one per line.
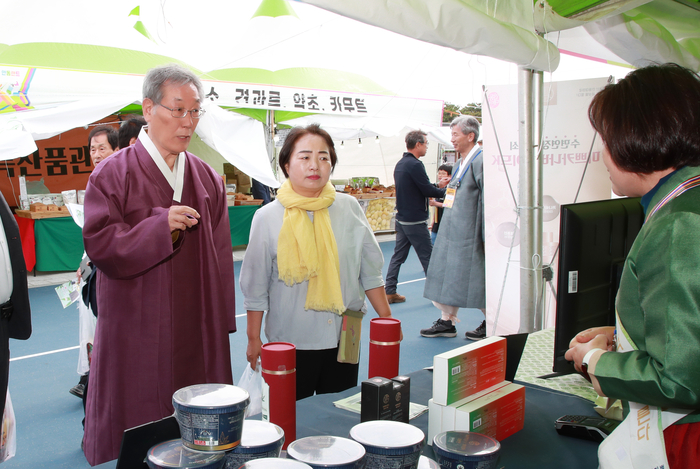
<point>657,32</point>
<point>48,122</point>
<point>15,140</point>
<point>639,31</point>
<point>467,26</point>
<point>236,138</point>
<point>215,35</point>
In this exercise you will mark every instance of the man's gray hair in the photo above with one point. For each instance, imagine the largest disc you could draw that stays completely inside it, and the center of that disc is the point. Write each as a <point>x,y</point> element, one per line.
<point>467,125</point>
<point>171,74</point>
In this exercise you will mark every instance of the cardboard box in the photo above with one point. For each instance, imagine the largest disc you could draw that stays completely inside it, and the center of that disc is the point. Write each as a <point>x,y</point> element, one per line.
<point>230,169</point>
<point>434,420</point>
<point>499,414</point>
<point>244,179</point>
<point>449,412</point>
<point>468,370</point>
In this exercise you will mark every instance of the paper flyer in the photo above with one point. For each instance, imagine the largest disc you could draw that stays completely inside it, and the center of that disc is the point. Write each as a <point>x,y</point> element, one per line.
<point>77,212</point>
<point>68,292</point>
<point>353,404</point>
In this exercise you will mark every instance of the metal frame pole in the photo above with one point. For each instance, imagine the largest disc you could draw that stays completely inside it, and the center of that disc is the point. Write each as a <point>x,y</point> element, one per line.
<point>529,265</point>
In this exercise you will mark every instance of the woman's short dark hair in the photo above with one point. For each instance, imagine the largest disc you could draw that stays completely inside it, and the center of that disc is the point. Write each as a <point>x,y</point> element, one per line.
<point>650,120</point>
<point>295,134</point>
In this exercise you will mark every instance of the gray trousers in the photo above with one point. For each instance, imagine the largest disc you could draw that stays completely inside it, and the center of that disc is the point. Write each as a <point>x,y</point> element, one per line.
<point>417,236</point>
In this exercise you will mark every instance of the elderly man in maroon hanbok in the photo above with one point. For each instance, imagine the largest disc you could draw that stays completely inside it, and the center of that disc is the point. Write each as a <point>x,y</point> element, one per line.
<point>156,226</point>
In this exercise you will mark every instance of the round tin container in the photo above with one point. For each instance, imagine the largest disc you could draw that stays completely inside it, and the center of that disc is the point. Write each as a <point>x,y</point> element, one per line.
<point>321,452</point>
<point>470,450</point>
<point>274,463</point>
<point>210,415</point>
<point>427,463</point>
<point>389,444</point>
<point>172,454</point>
<point>260,440</point>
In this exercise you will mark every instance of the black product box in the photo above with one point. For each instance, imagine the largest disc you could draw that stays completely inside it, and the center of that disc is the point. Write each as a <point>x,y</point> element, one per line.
<point>402,399</point>
<point>385,399</point>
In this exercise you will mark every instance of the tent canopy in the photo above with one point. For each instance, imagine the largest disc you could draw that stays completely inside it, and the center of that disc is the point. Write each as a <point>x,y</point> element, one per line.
<point>636,31</point>
<point>251,61</point>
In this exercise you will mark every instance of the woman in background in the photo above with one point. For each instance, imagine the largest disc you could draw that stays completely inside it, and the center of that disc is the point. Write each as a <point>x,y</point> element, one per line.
<point>650,125</point>
<point>311,258</point>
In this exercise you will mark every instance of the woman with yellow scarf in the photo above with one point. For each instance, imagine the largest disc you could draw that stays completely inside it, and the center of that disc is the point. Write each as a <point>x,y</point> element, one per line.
<point>312,257</point>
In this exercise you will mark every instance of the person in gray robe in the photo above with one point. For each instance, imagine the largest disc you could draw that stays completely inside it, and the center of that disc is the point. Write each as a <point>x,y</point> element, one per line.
<point>456,274</point>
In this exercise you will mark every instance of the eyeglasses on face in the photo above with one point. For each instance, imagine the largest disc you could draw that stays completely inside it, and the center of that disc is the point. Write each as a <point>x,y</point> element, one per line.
<point>181,112</point>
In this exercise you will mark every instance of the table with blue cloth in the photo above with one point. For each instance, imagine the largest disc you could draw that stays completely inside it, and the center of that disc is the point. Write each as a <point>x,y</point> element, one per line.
<point>536,446</point>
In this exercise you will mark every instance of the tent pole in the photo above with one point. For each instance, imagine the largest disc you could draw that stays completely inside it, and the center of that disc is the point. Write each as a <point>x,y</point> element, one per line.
<point>538,128</point>
<point>270,139</point>
<point>527,191</point>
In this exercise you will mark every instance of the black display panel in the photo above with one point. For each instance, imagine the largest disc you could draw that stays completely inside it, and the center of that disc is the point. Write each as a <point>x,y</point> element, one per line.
<point>594,240</point>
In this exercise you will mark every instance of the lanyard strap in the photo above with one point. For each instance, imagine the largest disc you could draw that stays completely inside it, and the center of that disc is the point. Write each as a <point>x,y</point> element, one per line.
<point>468,165</point>
<point>681,188</point>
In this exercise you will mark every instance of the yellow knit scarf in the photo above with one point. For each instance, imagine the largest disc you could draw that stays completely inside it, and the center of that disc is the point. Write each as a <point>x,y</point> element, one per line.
<point>307,251</point>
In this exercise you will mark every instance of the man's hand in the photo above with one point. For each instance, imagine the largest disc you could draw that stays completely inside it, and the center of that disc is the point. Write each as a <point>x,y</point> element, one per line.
<point>443,181</point>
<point>181,217</point>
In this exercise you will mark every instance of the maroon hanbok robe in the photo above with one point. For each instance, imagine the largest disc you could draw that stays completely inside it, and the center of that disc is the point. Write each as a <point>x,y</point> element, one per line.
<point>165,308</point>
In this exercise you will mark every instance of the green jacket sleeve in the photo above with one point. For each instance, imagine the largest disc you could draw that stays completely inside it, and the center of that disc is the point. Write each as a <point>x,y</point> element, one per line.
<point>659,306</point>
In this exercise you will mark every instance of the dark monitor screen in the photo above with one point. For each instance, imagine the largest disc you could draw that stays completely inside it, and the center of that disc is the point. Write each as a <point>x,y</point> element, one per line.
<point>594,240</point>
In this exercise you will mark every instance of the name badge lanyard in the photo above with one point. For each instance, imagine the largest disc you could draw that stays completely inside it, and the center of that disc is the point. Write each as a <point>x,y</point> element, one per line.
<point>451,191</point>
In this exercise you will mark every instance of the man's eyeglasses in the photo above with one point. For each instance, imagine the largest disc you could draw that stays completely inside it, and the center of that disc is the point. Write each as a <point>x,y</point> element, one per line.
<point>181,112</point>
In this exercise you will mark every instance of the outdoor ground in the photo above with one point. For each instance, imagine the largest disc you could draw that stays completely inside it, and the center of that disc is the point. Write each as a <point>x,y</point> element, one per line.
<point>43,368</point>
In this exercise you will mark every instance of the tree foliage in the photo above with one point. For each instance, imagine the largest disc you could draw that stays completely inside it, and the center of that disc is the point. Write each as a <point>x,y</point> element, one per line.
<point>450,111</point>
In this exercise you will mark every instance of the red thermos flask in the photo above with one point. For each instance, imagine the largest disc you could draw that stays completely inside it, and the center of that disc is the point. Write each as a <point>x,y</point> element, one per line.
<point>278,363</point>
<point>384,347</point>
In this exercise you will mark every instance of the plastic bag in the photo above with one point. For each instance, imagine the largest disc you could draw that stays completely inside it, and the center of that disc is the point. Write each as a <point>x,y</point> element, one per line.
<point>252,382</point>
<point>8,443</point>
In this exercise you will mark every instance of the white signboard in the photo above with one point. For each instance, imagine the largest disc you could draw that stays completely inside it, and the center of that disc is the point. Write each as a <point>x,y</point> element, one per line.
<point>567,140</point>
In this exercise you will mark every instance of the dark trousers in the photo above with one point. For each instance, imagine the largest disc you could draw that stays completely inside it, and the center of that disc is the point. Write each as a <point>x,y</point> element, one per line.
<point>85,380</point>
<point>417,236</point>
<point>319,371</point>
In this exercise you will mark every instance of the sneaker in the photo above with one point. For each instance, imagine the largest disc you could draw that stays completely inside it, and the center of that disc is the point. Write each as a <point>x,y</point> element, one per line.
<point>78,390</point>
<point>395,298</point>
<point>440,329</point>
<point>478,333</point>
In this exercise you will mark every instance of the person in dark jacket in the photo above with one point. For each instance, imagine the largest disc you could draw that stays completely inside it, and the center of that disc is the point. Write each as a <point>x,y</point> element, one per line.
<point>413,189</point>
<point>15,312</point>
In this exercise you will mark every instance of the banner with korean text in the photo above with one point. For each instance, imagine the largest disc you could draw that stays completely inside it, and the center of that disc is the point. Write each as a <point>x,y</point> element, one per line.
<point>60,163</point>
<point>567,139</point>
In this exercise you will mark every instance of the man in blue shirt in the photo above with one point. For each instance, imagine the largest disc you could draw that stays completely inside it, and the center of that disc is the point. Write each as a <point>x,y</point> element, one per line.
<point>413,189</point>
